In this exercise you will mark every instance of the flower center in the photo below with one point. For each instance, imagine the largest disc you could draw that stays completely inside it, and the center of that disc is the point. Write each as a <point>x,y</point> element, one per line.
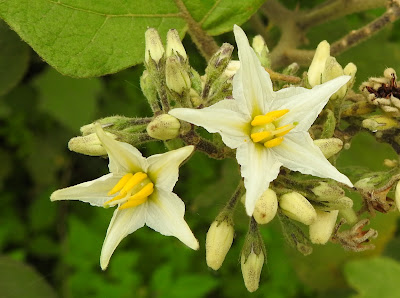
<point>265,129</point>
<point>134,189</point>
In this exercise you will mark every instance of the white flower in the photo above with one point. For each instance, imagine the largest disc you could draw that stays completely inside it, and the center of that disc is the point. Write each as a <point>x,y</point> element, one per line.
<point>269,129</point>
<point>142,189</point>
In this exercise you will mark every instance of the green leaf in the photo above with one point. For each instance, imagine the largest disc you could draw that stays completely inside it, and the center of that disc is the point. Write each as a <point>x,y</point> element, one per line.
<point>20,280</point>
<point>84,38</point>
<point>376,277</point>
<point>14,56</point>
<point>63,96</point>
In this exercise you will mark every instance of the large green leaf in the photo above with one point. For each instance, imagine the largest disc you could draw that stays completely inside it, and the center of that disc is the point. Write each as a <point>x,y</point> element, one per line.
<point>84,38</point>
<point>376,277</point>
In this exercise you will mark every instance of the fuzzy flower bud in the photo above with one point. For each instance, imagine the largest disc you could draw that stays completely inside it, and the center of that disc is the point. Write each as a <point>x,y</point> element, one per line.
<point>262,51</point>
<point>164,127</point>
<point>266,207</point>
<point>328,191</point>
<point>379,123</point>
<point>251,269</point>
<point>321,230</point>
<point>338,204</point>
<point>177,78</point>
<point>218,242</point>
<point>317,66</point>
<point>154,47</point>
<point>219,61</point>
<point>329,147</point>
<point>333,70</point>
<point>174,44</point>
<point>88,145</point>
<point>297,207</point>
<point>397,195</point>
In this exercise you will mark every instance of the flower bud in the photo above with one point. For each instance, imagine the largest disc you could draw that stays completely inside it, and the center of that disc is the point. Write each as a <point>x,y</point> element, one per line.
<point>154,47</point>
<point>266,207</point>
<point>297,207</point>
<point>329,147</point>
<point>177,78</point>
<point>317,66</point>
<point>218,62</point>
<point>328,191</point>
<point>397,195</point>
<point>218,242</point>
<point>232,68</point>
<point>379,123</point>
<point>174,44</point>
<point>164,127</point>
<point>88,145</point>
<point>262,51</point>
<point>321,230</point>
<point>333,70</point>
<point>350,70</point>
<point>251,269</point>
<point>338,204</point>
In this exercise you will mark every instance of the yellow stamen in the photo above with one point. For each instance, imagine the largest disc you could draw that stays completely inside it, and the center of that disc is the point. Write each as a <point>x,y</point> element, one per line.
<point>281,131</point>
<point>116,198</point>
<point>273,142</point>
<point>268,118</point>
<point>134,180</point>
<point>140,197</point>
<point>258,136</point>
<point>120,184</point>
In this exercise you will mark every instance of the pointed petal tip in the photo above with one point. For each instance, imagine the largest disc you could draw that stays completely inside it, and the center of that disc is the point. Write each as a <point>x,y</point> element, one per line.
<point>195,244</point>
<point>53,196</point>
<point>103,264</point>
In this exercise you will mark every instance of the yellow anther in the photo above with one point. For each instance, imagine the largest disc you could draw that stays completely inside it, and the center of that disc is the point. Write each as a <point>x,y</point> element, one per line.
<point>258,136</point>
<point>273,142</point>
<point>116,198</point>
<point>140,197</point>
<point>133,181</point>
<point>281,131</point>
<point>268,118</point>
<point>121,183</point>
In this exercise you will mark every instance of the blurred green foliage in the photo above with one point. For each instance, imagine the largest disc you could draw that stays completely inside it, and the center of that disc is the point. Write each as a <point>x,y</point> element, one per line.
<point>52,249</point>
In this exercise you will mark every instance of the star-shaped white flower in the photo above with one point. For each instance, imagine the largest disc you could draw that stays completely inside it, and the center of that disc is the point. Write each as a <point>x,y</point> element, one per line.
<point>142,190</point>
<point>268,129</point>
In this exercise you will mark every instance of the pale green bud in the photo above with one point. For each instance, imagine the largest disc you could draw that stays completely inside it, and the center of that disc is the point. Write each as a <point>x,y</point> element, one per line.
<point>329,147</point>
<point>174,44</point>
<point>251,269</point>
<point>218,242</point>
<point>154,47</point>
<point>262,51</point>
<point>338,204</point>
<point>333,70</point>
<point>177,78</point>
<point>266,207</point>
<point>321,230</point>
<point>349,215</point>
<point>89,145</point>
<point>397,195</point>
<point>297,207</point>
<point>164,127</point>
<point>328,191</point>
<point>317,66</point>
<point>219,61</point>
<point>379,123</point>
<point>350,70</point>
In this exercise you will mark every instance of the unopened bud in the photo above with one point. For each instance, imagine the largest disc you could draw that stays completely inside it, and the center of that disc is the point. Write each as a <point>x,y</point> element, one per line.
<point>328,191</point>
<point>338,204</point>
<point>218,242</point>
<point>333,70</point>
<point>329,147</point>
<point>88,145</point>
<point>266,207</point>
<point>232,68</point>
<point>397,195</point>
<point>317,66</point>
<point>350,70</point>
<point>177,78</point>
<point>219,61</point>
<point>261,50</point>
<point>154,47</point>
<point>321,230</point>
<point>297,207</point>
<point>164,127</point>
<point>251,269</point>
<point>174,44</point>
<point>379,123</point>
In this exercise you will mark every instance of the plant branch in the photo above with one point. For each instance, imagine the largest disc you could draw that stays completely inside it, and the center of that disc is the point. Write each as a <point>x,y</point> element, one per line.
<point>204,42</point>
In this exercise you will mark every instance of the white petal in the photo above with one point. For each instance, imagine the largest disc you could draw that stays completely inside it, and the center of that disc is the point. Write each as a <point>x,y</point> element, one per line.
<point>124,158</point>
<point>164,168</point>
<point>222,117</point>
<point>252,86</point>
<point>298,153</point>
<point>165,215</point>
<point>304,104</point>
<point>123,223</point>
<point>258,168</point>
<point>93,192</point>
